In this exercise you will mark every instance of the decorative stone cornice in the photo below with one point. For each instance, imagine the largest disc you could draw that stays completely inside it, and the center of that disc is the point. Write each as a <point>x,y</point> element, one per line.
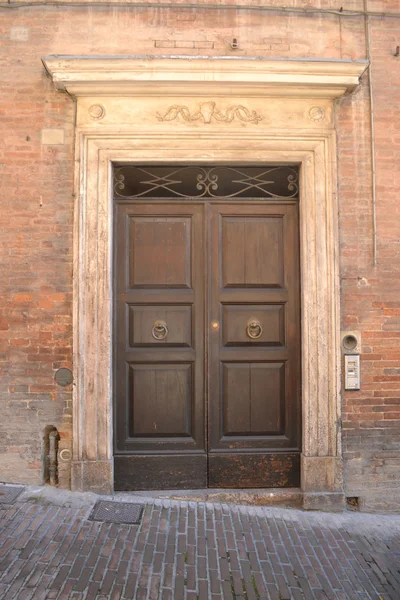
<point>202,76</point>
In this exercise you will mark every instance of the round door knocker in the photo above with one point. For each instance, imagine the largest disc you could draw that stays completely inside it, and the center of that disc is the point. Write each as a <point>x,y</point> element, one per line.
<point>159,330</point>
<point>254,329</point>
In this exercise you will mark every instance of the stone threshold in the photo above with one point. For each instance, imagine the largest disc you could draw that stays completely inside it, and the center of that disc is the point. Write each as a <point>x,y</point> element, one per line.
<point>292,498</point>
<point>284,498</point>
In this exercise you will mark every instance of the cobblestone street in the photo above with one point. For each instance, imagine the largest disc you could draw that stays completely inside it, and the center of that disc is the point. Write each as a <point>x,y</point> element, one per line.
<point>195,551</point>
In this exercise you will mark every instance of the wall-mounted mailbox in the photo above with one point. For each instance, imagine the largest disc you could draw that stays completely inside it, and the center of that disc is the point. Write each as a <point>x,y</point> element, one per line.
<point>352,371</point>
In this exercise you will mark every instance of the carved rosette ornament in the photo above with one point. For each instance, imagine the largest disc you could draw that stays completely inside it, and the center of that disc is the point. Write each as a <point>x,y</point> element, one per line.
<point>97,112</point>
<point>316,114</point>
<point>208,111</point>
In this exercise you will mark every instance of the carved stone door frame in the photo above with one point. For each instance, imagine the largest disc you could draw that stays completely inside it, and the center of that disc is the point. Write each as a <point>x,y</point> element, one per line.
<point>208,111</point>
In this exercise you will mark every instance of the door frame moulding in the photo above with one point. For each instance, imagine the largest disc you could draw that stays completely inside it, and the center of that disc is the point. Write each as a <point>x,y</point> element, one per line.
<point>116,125</point>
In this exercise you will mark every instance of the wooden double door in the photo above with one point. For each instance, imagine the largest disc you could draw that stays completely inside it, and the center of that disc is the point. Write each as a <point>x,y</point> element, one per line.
<point>207,345</point>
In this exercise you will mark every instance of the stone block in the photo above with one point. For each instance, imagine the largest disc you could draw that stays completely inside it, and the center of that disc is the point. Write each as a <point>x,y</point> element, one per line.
<point>92,476</point>
<point>52,137</point>
<point>321,474</point>
<point>19,34</point>
<point>327,502</point>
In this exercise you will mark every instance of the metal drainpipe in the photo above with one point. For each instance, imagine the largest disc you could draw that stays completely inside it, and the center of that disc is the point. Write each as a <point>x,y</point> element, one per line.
<point>372,124</point>
<point>53,457</point>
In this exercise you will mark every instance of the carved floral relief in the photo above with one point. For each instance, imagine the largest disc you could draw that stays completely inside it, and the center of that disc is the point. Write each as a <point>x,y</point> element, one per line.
<point>208,111</point>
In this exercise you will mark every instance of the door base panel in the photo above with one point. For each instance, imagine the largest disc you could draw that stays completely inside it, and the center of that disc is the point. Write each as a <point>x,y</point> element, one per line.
<point>227,471</point>
<point>163,472</point>
<point>254,470</point>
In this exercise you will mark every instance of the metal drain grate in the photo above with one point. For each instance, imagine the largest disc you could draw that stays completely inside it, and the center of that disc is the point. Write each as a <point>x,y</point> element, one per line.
<point>117,512</point>
<point>9,493</point>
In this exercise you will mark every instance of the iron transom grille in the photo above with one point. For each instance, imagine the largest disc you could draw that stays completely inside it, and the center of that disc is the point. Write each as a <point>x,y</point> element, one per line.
<point>147,181</point>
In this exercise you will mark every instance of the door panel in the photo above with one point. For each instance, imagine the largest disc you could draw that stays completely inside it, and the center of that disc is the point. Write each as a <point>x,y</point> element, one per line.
<point>235,320</point>
<point>253,399</point>
<point>160,400</point>
<point>147,472</point>
<point>254,411</point>
<point>160,252</point>
<point>246,243</point>
<point>177,318</point>
<point>159,383</point>
<point>259,470</point>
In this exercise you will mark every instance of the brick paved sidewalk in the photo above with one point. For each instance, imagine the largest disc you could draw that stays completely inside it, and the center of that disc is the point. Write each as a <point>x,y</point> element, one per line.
<point>196,551</point>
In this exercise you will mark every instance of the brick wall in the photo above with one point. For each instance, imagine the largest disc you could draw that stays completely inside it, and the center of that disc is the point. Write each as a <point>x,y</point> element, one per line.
<point>371,296</point>
<point>36,170</point>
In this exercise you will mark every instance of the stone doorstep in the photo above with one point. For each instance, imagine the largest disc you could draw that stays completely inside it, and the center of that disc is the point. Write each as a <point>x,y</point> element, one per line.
<point>285,498</point>
<point>293,498</point>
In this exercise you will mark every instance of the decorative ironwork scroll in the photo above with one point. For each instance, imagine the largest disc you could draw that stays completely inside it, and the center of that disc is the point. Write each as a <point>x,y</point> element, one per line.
<point>148,181</point>
<point>208,111</point>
